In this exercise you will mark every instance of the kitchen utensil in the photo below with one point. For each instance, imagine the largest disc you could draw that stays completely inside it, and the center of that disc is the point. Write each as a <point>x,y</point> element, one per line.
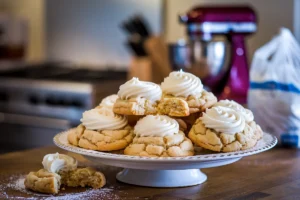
<point>137,48</point>
<point>141,26</point>
<point>136,25</point>
<point>146,46</point>
<point>211,30</point>
<point>210,59</point>
<point>164,172</point>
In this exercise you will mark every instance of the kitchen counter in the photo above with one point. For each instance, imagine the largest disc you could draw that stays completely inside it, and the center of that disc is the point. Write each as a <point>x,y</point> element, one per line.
<point>274,174</point>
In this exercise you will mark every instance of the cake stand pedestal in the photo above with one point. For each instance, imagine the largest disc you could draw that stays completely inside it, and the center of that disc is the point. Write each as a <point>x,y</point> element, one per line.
<point>162,178</point>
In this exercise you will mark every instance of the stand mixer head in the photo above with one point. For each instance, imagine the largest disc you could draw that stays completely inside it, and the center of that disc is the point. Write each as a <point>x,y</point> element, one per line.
<point>216,48</point>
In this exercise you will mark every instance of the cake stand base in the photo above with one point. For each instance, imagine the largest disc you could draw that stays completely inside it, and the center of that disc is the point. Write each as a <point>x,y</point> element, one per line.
<point>162,178</point>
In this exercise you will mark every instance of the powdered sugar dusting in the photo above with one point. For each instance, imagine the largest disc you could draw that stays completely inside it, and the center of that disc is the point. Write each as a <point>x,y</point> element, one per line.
<point>14,188</point>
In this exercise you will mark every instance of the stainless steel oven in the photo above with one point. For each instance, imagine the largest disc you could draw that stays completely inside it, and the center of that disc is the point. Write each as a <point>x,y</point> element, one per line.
<point>40,101</point>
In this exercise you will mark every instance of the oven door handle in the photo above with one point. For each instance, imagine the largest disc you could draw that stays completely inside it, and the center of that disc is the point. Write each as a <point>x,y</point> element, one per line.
<point>34,121</point>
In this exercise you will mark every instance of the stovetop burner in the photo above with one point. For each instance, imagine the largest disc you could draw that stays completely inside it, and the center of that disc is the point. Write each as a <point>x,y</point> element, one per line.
<point>58,72</point>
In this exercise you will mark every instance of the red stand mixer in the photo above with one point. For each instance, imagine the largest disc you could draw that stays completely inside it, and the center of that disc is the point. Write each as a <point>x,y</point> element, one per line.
<point>217,48</point>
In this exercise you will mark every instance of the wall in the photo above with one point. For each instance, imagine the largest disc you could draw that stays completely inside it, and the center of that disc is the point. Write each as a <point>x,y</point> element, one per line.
<point>89,31</point>
<point>33,11</point>
<point>272,14</point>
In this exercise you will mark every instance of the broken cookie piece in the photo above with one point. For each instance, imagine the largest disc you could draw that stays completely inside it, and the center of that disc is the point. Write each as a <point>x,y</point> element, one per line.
<point>84,177</point>
<point>61,169</point>
<point>43,181</point>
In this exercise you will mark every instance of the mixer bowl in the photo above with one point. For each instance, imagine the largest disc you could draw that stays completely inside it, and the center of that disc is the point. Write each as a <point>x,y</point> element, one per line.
<point>209,60</point>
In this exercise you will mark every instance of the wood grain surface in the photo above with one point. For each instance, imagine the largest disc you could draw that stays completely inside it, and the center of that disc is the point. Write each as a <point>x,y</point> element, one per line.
<point>274,174</point>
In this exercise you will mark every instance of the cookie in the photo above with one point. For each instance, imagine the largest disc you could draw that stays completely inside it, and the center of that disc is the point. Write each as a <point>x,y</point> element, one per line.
<point>176,145</point>
<point>246,113</point>
<point>257,130</point>
<point>105,140</point>
<point>135,106</point>
<point>222,129</point>
<point>43,181</point>
<point>83,177</point>
<point>183,94</point>
<point>102,130</point>
<point>159,136</point>
<point>137,98</point>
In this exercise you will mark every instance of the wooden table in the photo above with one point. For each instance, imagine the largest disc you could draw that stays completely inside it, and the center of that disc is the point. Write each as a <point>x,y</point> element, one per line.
<point>274,174</point>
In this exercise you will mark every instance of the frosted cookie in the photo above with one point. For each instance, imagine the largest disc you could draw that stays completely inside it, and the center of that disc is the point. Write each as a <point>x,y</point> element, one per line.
<point>84,177</point>
<point>137,98</point>
<point>222,129</point>
<point>183,94</point>
<point>43,181</point>
<point>102,130</point>
<point>246,113</point>
<point>159,136</point>
<point>57,162</point>
<point>109,101</point>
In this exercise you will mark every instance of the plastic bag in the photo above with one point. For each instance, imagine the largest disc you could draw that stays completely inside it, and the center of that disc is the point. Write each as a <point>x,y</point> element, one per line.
<point>274,94</point>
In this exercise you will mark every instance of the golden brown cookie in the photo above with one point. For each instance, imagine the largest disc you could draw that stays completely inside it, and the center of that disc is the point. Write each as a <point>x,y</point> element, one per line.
<point>257,130</point>
<point>220,142</point>
<point>43,181</point>
<point>181,106</point>
<point>75,135</point>
<point>135,106</point>
<point>168,146</point>
<point>105,140</point>
<point>84,177</point>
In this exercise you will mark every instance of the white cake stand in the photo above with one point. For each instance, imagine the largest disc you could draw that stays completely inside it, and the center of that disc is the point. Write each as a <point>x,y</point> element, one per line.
<point>164,172</point>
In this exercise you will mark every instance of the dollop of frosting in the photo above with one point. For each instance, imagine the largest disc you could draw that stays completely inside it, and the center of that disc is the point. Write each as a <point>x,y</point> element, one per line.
<point>59,162</point>
<point>103,119</point>
<point>135,88</point>
<point>224,120</point>
<point>156,126</point>
<point>247,114</point>
<point>182,84</point>
<point>109,101</point>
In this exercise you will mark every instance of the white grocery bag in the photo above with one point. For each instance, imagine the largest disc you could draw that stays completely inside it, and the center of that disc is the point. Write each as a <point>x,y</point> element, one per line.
<point>274,94</point>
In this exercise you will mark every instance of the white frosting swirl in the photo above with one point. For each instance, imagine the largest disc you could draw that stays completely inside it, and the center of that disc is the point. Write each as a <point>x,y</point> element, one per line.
<point>109,101</point>
<point>59,162</point>
<point>182,84</point>
<point>156,126</point>
<point>223,120</point>
<point>247,114</point>
<point>103,119</point>
<point>135,88</point>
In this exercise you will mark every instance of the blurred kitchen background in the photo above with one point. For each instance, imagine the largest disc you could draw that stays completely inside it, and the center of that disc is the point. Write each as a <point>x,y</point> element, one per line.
<point>61,57</point>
